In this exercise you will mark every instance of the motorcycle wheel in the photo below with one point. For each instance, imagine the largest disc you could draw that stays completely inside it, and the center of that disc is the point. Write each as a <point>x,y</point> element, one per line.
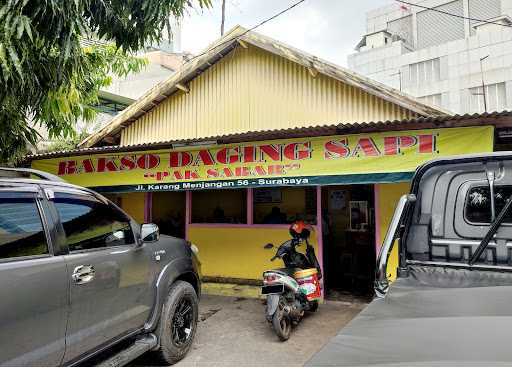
<point>313,306</point>
<point>282,325</point>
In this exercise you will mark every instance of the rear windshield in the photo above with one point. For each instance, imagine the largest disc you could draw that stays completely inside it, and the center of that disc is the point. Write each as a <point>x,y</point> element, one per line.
<point>478,208</point>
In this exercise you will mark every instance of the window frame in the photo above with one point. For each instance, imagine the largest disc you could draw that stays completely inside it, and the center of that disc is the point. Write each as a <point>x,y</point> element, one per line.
<point>38,197</point>
<point>189,224</point>
<point>248,219</point>
<point>101,202</point>
<point>476,97</point>
<point>283,225</point>
<point>466,200</point>
<point>421,71</point>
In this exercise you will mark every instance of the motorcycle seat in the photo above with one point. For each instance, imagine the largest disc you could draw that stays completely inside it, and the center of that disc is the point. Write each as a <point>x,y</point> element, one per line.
<point>287,271</point>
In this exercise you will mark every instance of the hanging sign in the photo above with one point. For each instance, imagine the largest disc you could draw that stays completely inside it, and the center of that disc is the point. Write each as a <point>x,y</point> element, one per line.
<point>374,157</point>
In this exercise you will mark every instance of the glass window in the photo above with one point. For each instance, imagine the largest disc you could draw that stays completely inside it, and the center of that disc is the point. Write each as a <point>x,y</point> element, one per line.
<point>21,228</point>
<point>413,74</point>
<point>436,69</point>
<point>283,205</point>
<point>424,72</point>
<point>432,99</point>
<point>219,206</point>
<point>91,224</point>
<point>495,98</point>
<point>421,72</point>
<point>478,203</point>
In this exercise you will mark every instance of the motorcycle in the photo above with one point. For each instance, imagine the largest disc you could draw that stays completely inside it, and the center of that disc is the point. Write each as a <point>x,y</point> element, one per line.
<point>295,289</point>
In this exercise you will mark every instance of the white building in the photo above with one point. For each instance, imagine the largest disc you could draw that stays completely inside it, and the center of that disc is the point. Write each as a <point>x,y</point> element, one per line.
<point>440,58</point>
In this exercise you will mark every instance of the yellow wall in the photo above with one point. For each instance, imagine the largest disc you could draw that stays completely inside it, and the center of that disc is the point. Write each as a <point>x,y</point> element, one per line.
<point>251,89</point>
<point>132,203</point>
<point>388,198</point>
<point>237,252</point>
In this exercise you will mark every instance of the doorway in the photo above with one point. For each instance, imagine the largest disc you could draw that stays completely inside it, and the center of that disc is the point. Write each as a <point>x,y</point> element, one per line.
<point>168,212</point>
<point>348,228</point>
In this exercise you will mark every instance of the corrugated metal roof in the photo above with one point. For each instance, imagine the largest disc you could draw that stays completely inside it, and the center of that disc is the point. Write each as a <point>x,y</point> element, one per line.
<point>224,46</point>
<point>498,119</point>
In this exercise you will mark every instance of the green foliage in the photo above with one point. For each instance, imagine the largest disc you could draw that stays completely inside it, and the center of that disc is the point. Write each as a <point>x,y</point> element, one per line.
<point>71,142</point>
<point>49,79</point>
<point>67,144</point>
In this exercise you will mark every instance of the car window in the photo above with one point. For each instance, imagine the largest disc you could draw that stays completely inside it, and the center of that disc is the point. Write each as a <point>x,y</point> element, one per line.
<point>478,203</point>
<point>91,224</point>
<point>21,228</point>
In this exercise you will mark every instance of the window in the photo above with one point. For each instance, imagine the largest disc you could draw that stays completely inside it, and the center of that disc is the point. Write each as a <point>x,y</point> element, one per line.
<point>478,203</point>
<point>219,206</point>
<point>424,72</point>
<point>496,98</point>
<point>21,228</point>
<point>282,205</point>
<point>90,224</point>
<point>433,99</point>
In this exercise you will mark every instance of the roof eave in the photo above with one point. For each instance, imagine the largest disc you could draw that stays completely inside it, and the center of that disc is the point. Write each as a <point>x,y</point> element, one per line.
<point>500,120</point>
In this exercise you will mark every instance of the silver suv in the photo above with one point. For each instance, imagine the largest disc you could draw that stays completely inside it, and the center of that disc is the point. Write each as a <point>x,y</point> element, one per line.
<point>78,276</point>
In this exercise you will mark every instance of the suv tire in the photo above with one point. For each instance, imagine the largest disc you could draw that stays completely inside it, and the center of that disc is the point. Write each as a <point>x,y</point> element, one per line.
<point>178,323</point>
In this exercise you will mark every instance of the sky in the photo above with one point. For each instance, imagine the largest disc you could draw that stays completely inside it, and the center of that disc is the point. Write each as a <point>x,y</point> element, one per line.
<point>329,29</point>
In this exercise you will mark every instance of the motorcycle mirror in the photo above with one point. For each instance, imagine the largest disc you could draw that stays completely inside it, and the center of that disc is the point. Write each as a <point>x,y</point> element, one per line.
<point>268,246</point>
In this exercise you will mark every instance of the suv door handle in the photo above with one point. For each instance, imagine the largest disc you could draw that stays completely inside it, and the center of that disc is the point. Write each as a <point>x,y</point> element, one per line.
<point>83,274</point>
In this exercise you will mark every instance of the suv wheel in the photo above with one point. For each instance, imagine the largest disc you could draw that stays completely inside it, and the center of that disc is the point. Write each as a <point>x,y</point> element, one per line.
<point>178,323</point>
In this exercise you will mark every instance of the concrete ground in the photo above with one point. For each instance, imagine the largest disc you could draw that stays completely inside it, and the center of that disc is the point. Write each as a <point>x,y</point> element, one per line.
<point>233,332</point>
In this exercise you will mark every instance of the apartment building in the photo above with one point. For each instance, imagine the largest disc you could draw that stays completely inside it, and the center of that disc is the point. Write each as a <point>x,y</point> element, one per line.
<point>452,54</point>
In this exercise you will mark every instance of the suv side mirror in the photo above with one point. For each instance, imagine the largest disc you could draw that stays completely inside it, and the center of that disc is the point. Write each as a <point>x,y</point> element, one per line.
<point>149,232</point>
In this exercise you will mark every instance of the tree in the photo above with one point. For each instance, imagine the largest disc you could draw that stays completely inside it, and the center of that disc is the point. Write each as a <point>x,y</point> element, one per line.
<point>48,78</point>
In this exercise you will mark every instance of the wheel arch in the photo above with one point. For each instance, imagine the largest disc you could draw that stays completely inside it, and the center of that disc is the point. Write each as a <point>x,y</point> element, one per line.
<point>178,269</point>
<point>191,278</point>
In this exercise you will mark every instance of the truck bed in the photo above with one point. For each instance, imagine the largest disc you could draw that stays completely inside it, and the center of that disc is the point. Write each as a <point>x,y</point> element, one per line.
<point>437,316</point>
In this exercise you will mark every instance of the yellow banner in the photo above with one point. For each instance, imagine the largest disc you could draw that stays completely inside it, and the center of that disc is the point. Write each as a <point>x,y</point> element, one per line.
<point>274,162</point>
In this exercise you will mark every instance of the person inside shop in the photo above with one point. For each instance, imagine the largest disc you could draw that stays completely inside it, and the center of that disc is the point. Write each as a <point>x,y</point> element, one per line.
<point>176,223</point>
<point>326,225</point>
<point>275,217</point>
<point>219,216</point>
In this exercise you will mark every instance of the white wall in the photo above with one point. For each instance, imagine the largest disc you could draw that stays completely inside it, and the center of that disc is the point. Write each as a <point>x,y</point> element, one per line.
<point>459,60</point>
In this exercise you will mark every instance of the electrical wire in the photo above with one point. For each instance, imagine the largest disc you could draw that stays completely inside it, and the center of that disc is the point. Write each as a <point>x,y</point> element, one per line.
<point>453,15</point>
<point>248,30</point>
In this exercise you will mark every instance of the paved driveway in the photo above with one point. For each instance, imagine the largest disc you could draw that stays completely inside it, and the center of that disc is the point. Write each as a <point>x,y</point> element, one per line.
<point>234,332</point>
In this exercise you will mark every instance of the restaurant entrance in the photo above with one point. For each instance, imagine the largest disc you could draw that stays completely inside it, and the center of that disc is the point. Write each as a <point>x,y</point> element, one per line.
<point>168,212</point>
<point>348,228</point>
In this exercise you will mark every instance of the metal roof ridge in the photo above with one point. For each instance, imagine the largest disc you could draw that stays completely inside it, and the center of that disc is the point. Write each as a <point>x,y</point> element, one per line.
<point>189,70</point>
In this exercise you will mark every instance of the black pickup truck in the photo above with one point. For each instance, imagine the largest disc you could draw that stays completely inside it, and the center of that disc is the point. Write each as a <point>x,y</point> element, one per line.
<point>80,279</point>
<point>451,304</point>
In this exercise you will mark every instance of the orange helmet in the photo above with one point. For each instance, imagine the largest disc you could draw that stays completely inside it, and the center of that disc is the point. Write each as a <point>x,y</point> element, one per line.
<point>300,230</point>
